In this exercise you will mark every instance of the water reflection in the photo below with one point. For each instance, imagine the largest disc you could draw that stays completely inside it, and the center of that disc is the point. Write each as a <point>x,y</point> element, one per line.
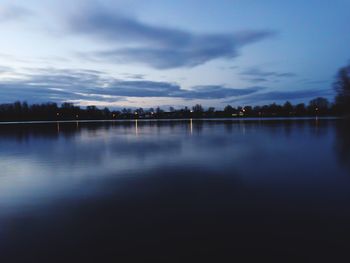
<point>191,126</point>
<point>170,190</point>
<point>136,127</point>
<point>343,142</point>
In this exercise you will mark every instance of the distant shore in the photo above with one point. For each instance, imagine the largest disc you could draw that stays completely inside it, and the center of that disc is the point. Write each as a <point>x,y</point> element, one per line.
<point>179,119</point>
<point>51,112</point>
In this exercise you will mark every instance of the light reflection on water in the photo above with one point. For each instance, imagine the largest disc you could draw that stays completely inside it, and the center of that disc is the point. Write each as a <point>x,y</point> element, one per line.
<point>214,169</point>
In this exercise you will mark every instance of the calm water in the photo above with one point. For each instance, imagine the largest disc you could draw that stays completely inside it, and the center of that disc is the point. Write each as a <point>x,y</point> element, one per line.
<point>175,191</point>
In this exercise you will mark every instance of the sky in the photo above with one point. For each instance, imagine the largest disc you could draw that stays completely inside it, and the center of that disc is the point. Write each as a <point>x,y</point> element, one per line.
<point>169,53</point>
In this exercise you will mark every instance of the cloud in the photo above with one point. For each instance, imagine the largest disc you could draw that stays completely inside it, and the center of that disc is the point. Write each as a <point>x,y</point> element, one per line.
<point>134,76</point>
<point>8,13</point>
<point>156,46</point>
<point>256,72</point>
<point>258,75</point>
<point>216,92</point>
<point>63,85</point>
<point>257,79</point>
<point>274,96</point>
<point>10,92</point>
<point>4,69</point>
<point>85,86</point>
<point>313,82</point>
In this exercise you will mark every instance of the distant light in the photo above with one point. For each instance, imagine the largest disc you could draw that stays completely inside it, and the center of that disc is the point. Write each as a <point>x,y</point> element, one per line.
<point>191,111</point>
<point>77,116</point>
<point>57,114</point>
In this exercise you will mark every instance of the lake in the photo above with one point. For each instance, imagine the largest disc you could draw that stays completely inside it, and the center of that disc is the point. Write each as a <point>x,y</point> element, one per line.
<point>175,191</point>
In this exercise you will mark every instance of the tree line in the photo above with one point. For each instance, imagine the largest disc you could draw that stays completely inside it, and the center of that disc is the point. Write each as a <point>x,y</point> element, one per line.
<point>22,111</point>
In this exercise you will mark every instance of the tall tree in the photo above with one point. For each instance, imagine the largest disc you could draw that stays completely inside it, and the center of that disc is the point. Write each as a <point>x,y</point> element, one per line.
<point>319,106</point>
<point>342,87</point>
<point>197,108</point>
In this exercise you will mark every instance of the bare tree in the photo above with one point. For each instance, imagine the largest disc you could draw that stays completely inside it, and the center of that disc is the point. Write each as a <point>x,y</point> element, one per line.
<point>342,87</point>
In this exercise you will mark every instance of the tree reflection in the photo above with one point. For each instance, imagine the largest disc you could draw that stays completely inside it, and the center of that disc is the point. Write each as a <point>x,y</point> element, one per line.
<point>343,142</point>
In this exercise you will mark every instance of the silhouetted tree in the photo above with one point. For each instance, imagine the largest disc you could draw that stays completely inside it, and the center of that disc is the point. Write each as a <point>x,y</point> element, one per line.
<point>211,109</point>
<point>257,111</point>
<point>228,109</point>
<point>248,110</point>
<point>159,110</point>
<point>342,87</point>
<point>197,108</point>
<point>139,111</point>
<point>106,113</point>
<point>318,106</point>
<point>300,109</point>
<point>18,111</point>
<point>126,111</point>
<point>211,112</point>
<point>287,108</point>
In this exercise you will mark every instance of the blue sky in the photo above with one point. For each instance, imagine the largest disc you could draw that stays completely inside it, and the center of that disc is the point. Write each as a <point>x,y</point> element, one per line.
<point>171,53</point>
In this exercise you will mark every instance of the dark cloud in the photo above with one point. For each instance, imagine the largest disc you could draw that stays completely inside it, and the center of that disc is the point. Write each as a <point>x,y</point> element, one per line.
<point>157,46</point>
<point>141,88</point>
<point>217,92</point>
<point>164,89</point>
<point>313,82</point>
<point>256,72</point>
<point>34,94</point>
<point>89,85</point>
<point>134,76</point>
<point>258,75</point>
<point>275,96</point>
<point>63,85</point>
<point>258,79</point>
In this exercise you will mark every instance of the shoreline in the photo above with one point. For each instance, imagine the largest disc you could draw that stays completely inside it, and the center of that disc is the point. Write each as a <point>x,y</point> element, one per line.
<point>175,119</point>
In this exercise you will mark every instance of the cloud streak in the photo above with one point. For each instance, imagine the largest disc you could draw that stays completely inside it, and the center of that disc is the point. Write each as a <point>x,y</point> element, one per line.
<point>156,46</point>
<point>94,86</point>
<point>275,96</point>
<point>67,85</point>
<point>258,75</point>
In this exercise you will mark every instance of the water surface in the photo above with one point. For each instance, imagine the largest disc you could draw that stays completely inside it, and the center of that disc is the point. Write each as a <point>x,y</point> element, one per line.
<point>175,191</point>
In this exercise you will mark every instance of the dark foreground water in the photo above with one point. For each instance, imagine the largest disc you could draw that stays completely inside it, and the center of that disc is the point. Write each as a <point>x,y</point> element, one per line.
<point>175,191</point>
